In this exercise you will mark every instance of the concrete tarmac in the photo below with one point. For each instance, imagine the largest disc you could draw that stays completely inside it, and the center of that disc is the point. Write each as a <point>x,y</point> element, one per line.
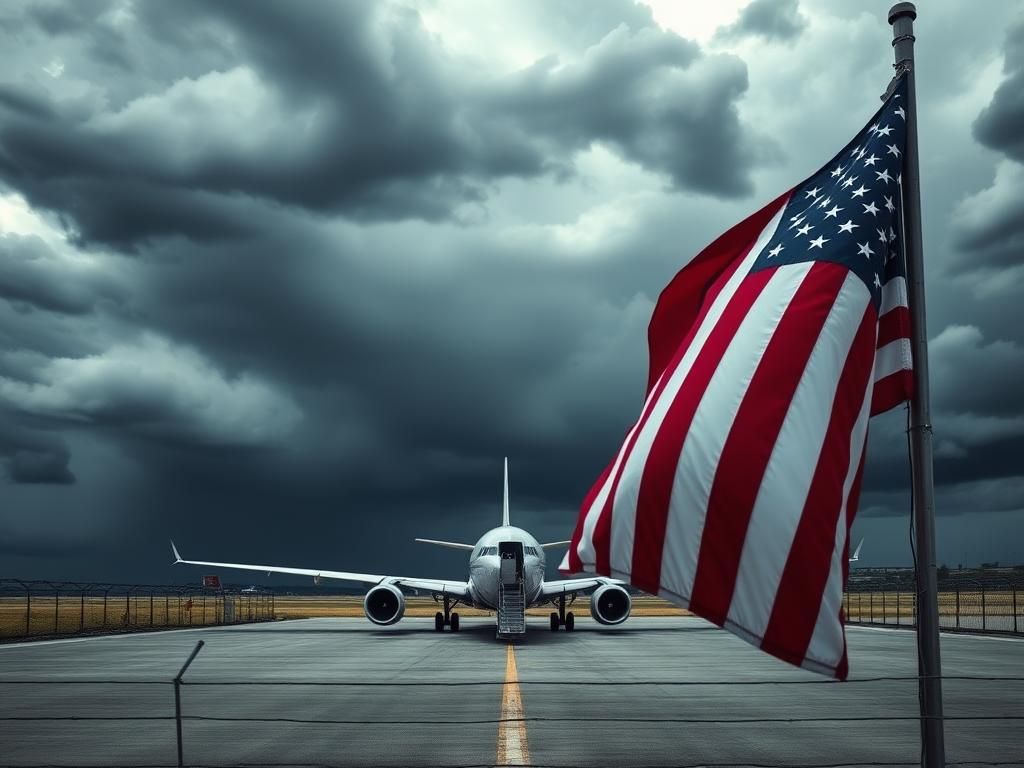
<point>572,716</point>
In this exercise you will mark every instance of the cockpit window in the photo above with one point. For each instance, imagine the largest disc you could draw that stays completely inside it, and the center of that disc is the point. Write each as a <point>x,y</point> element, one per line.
<point>489,551</point>
<point>531,551</point>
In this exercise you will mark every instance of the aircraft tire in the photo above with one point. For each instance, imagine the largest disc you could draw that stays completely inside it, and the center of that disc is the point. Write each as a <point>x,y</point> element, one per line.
<point>455,622</point>
<point>554,621</point>
<point>438,622</point>
<point>570,621</point>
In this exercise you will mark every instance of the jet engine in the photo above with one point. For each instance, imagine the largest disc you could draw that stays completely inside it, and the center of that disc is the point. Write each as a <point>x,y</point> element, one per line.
<point>384,604</point>
<point>610,604</point>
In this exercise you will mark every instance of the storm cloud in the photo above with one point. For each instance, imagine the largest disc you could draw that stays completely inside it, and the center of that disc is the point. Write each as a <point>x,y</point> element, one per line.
<point>287,281</point>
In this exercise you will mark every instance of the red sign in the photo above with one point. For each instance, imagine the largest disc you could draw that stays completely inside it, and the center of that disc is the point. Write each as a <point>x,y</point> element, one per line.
<point>211,582</point>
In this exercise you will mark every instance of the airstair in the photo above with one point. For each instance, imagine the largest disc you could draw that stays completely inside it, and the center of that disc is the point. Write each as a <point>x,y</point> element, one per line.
<point>511,597</point>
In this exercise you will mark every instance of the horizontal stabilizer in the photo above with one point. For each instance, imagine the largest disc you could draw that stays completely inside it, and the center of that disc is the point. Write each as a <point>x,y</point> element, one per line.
<point>449,544</point>
<point>553,544</point>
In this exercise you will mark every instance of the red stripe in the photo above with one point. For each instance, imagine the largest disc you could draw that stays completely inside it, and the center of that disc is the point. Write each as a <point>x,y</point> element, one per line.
<point>660,468</point>
<point>851,512</point>
<point>575,564</point>
<point>752,438</point>
<point>685,296</point>
<point>799,595</point>
<point>894,389</point>
<point>602,530</point>
<point>894,324</point>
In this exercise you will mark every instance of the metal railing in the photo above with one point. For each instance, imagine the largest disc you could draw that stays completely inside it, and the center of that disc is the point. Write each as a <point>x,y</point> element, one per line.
<point>46,608</point>
<point>972,601</point>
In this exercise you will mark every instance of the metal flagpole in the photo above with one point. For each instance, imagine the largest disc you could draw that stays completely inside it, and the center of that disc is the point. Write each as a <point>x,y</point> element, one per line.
<point>901,17</point>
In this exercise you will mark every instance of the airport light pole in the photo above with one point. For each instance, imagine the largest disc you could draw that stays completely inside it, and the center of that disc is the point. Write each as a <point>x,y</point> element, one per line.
<point>901,17</point>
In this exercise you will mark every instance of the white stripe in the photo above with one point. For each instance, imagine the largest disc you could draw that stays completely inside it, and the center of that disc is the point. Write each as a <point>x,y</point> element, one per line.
<point>892,358</point>
<point>894,294</point>
<point>827,640</point>
<point>712,422</point>
<point>624,506</point>
<point>793,462</point>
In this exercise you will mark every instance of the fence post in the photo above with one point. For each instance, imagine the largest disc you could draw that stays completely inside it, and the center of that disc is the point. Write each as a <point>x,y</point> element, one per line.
<point>28,611</point>
<point>177,697</point>
<point>958,607</point>
<point>885,616</point>
<point>1015,609</point>
<point>982,607</point>
<point>56,610</point>
<point>151,607</point>
<point>81,618</point>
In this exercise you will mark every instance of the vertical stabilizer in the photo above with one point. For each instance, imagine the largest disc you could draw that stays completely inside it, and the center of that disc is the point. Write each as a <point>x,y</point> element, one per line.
<point>504,506</point>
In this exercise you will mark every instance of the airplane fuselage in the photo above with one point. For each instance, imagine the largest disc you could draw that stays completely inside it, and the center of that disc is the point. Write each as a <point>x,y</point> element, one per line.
<point>485,564</point>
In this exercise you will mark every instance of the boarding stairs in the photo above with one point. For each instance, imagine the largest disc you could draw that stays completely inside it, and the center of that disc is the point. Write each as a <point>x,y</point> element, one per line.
<point>511,593</point>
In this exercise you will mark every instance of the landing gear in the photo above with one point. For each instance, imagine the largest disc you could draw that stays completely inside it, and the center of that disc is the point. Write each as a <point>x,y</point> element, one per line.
<point>447,619</point>
<point>561,618</point>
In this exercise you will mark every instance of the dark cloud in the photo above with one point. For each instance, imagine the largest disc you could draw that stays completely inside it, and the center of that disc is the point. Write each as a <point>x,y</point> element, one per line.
<point>355,108</point>
<point>31,455</point>
<point>1001,124</point>
<point>770,19</point>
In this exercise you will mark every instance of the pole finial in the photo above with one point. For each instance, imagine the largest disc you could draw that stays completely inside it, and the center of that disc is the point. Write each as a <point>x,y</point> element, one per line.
<point>900,10</point>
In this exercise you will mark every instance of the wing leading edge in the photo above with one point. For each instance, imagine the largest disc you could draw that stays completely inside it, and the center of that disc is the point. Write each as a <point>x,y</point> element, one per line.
<point>453,588</point>
<point>571,586</point>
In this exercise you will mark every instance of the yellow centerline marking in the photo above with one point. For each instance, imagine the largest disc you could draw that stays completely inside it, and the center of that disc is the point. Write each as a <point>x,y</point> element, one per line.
<point>512,746</point>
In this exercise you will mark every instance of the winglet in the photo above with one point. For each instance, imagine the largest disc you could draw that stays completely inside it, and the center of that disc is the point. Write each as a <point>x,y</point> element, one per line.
<point>504,508</point>
<point>174,549</point>
<point>856,552</point>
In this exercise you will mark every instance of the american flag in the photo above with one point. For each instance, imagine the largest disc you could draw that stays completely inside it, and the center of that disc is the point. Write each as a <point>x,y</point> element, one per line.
<point>734,492</point>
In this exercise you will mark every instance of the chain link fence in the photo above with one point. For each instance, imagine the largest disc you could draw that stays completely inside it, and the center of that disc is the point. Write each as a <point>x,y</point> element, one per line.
<point>49,608</point>
<point>970,600</point>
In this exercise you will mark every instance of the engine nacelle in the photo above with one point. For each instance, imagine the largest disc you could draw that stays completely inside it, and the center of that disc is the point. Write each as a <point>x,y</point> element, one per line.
<point>384,604</point>
<point>610,604</point>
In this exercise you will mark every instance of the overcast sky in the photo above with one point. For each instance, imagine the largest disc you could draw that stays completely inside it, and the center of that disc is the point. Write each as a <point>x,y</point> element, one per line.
<point>286,281</point>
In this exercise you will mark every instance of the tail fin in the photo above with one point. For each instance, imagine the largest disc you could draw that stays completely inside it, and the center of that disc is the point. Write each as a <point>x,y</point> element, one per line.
<point>504,507</point>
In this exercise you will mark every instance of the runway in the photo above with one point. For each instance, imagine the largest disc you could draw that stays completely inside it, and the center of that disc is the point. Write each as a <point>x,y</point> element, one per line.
<point>570,716</point>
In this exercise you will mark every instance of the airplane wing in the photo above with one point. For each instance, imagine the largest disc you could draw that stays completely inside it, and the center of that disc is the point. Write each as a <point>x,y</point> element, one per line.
<point>571,586</point>
<point>454,588</point>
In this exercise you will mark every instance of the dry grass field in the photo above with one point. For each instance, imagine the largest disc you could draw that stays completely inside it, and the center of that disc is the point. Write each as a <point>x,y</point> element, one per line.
<point>72,614</point>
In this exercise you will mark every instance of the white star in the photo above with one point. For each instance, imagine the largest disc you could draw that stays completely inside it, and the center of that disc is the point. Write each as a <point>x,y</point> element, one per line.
<point>892,234</point>
<point>804,229</point>
<point>878,283</point>
<point>861,151</point>
<point>812,192</point>
<point>837,171</point>
<point>870,208</point>
<point>832,211</point>
<point>849,181</point>
<point>824,202</point>
<point>865,250</point>
<point>889,205</point>
<point>871,160</point>
<point>883,175</point>
<point>859,192</point>
<point>775,251</point>
<point>901,113</point>
<point>882,235</point>
<point>884,131</point>
<point>893,150</point>
<point>817,242</point>
<point>849,226</point>
<point>873,128</point>
<point>798,220</point>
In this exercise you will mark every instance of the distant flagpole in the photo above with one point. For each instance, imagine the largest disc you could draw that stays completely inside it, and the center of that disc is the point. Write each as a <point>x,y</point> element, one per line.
<point>901,17</point>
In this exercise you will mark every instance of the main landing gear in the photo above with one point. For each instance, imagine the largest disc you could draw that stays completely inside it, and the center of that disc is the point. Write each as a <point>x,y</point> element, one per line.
<point>561,618</point>
<point>448,618</point>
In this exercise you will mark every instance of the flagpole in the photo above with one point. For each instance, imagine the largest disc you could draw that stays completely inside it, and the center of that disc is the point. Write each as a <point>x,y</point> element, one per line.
<point>901,17</point>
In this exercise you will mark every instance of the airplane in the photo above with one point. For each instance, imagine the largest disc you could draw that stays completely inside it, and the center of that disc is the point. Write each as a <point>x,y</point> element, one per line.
<point>856,553</point>
<point>506,575</point>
